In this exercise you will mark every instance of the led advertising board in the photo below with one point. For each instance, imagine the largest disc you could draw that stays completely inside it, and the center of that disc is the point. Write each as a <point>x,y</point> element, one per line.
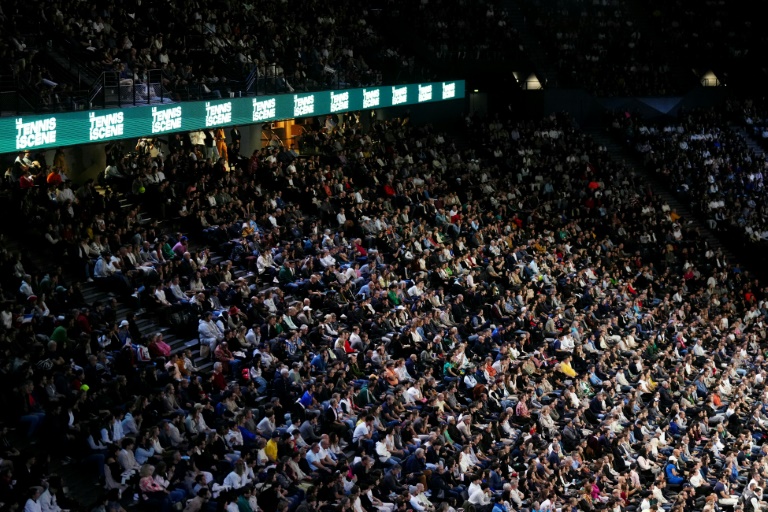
<point>72,128</point>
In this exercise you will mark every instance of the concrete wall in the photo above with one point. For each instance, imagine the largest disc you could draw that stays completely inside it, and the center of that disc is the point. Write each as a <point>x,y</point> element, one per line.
<point>251,139</point>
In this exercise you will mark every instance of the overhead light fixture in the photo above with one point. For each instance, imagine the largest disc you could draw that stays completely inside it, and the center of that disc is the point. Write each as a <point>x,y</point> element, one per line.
<point>710,79</point>
<point>532,83</point>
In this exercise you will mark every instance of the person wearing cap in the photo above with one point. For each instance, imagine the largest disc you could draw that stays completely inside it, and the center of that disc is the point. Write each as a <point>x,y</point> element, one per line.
<point>672,472</point>
<point>304,317</point>
<point>123,332</point>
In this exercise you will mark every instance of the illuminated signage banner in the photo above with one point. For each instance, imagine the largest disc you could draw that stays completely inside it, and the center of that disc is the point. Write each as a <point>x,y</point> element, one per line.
<point>33,134</point>
<point>264,110</point>
<point>71,128</point>
<point>166,119</point>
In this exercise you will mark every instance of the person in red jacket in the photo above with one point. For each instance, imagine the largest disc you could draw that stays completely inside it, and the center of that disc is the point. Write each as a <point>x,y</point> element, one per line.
<point>218,381</point>
<point>362,252</point>
<point>83,322</point>
<point>26,181</point>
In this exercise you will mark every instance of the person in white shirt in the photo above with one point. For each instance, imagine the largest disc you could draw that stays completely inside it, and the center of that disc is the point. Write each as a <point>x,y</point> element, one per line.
<point>327,260</point>
<point>515,495</point>
<point>464,426</point>
<point>209,332</point>
<point>547,506</point>
<point>658,495</point>
<point>126,458</point>
<point>696,479</point>
<point>414,392</point>
<point>253,336</point>
<point>234,437</point>
<point>266,357</point>
<point>384,455</point>
<point>469,379</point>
<point>341,218</point>
<point>265,262</point>
<point>362,430</point>
<point>402,374</point>
<point>161,298</point>
<point>725,388</point>
<point>567,344</point>
<point>237,478</point>
<point>269,302</point>
<point>231,504</point>
<point>317,461</point>
<point>177,292</point>
<point>26,288</point>
<point>354,339</point>
<point>621,379</point>
<point>419,500</point>
<point>65,194</point>
<point>33,502</point>
<point>481,497</point>
<point>113,432</point>
<point>416,290</point>
<point>267,425</point>
<point>47,499</point>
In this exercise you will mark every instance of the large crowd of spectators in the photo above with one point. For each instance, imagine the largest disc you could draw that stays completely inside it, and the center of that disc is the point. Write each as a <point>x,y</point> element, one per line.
<point>604,46</point>
<point>202,49</point>
<point>210,48</point>
<point>752,115</point>
<point>22,69</point>
<point>709,164</point>
<point>519,325</point>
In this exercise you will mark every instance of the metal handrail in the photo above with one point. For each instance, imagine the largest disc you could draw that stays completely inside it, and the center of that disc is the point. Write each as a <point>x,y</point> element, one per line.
<point>250,81</point>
